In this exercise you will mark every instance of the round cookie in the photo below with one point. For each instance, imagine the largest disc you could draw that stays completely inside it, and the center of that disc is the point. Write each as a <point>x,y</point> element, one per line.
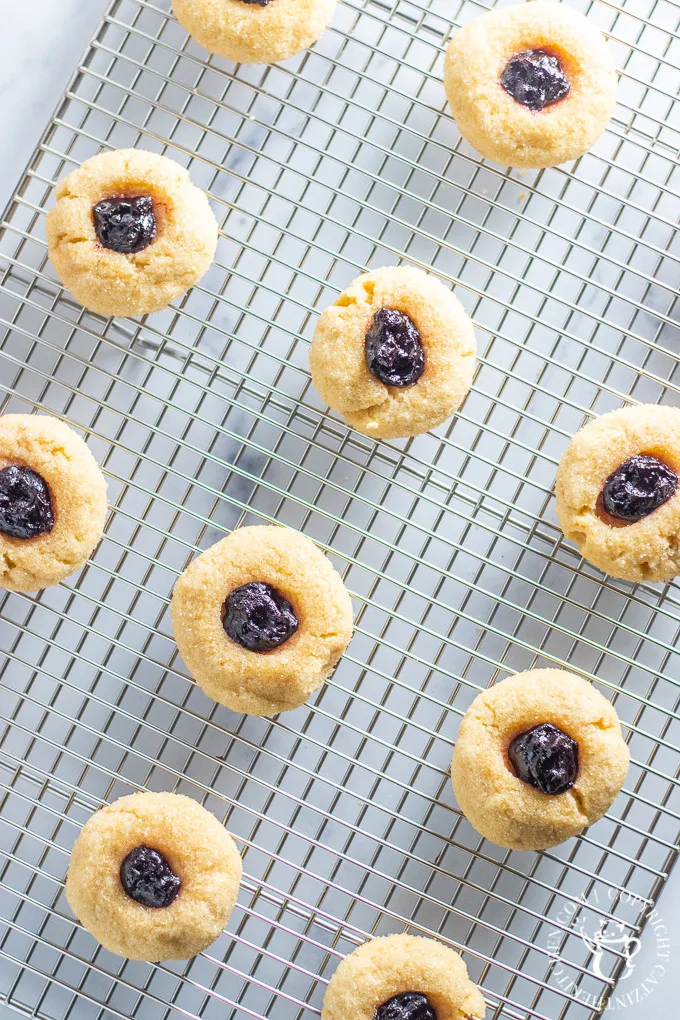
<point>261,619</point>
<point>129,232</point>
<point>255,31</point>
<point>532,85</point>
<point>52,502</point>
<point>181,869</point>
<point>388,968</point>
<point>559,734</point>
<point>418,341</point>
<point>632,547</point>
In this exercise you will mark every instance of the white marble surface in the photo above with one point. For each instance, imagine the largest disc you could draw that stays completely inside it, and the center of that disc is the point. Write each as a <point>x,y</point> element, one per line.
<point>42,43</point>
<point>43,40</point>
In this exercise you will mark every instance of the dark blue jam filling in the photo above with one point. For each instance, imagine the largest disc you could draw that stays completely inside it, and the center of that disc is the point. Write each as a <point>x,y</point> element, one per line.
<point>125,225</point>
<point>148,879</point>
<point>394,350</point>
<point>638,487</point>
<point>535,79</point>
<point>258,617</point>
<point>260,3</point>
<point>545,757</point>
<point>25,503</point>
<point>407,1006</point>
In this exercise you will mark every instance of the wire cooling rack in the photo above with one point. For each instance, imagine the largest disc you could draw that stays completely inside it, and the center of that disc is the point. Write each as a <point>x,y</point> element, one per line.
<point>204,418</point>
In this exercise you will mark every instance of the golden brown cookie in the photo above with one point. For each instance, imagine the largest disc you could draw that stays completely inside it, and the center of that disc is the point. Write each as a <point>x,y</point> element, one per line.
<point>261,619</point>
<point>255,31</point>
<point>394,966</point>
<point>626,462</point>
<point>532,85</point>
<point>52,502</point>
<point>129,232</point>
<point>418,341</point>
<point>154,876</point>
<point>561,736</point>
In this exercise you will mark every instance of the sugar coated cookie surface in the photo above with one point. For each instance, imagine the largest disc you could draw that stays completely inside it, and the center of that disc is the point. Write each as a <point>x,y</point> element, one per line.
<point>395,354</point>
<point>616,492</point>
<point>261,619</point>
<point>532,85</point>
<point>426,978</point>
<point>52,502</point>
<point>129,232</point>
<point>255,31</point>
<point>539,756</point>
<point>154,876</point>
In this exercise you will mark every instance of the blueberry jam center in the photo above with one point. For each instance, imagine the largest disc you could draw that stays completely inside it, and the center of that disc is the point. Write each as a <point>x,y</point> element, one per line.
<point>260,3</point>
<point>535,79</point>
<point>394,350</point>
<point>638,487</point>
<point>125,225</point>
<point>545,757</point>
<point>25,503</point>
<point>407,1006</point>
<point>258,617</point>
<point>147,878</point>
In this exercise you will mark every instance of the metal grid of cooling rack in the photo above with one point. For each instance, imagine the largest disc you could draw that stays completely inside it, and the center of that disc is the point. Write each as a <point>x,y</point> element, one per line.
<point>204,418</point>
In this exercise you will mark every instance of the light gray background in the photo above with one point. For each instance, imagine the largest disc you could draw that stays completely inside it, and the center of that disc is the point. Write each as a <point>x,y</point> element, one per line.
<point>42,42</point>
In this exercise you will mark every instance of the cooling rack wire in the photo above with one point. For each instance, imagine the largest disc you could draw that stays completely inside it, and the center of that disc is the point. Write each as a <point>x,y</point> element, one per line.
<point>204,418</point>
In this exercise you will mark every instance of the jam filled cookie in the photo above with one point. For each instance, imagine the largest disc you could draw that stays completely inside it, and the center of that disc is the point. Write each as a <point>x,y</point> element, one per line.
<point>261,619</point>
<point>532,85</point>
<point>538,758</point>
<point>255,31</point>
<point>154,876</point>
<point>129,232</point>
<point>616,492</point>
<point>52,502</point>
<point>402,977</point>
<point>395,354</point>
